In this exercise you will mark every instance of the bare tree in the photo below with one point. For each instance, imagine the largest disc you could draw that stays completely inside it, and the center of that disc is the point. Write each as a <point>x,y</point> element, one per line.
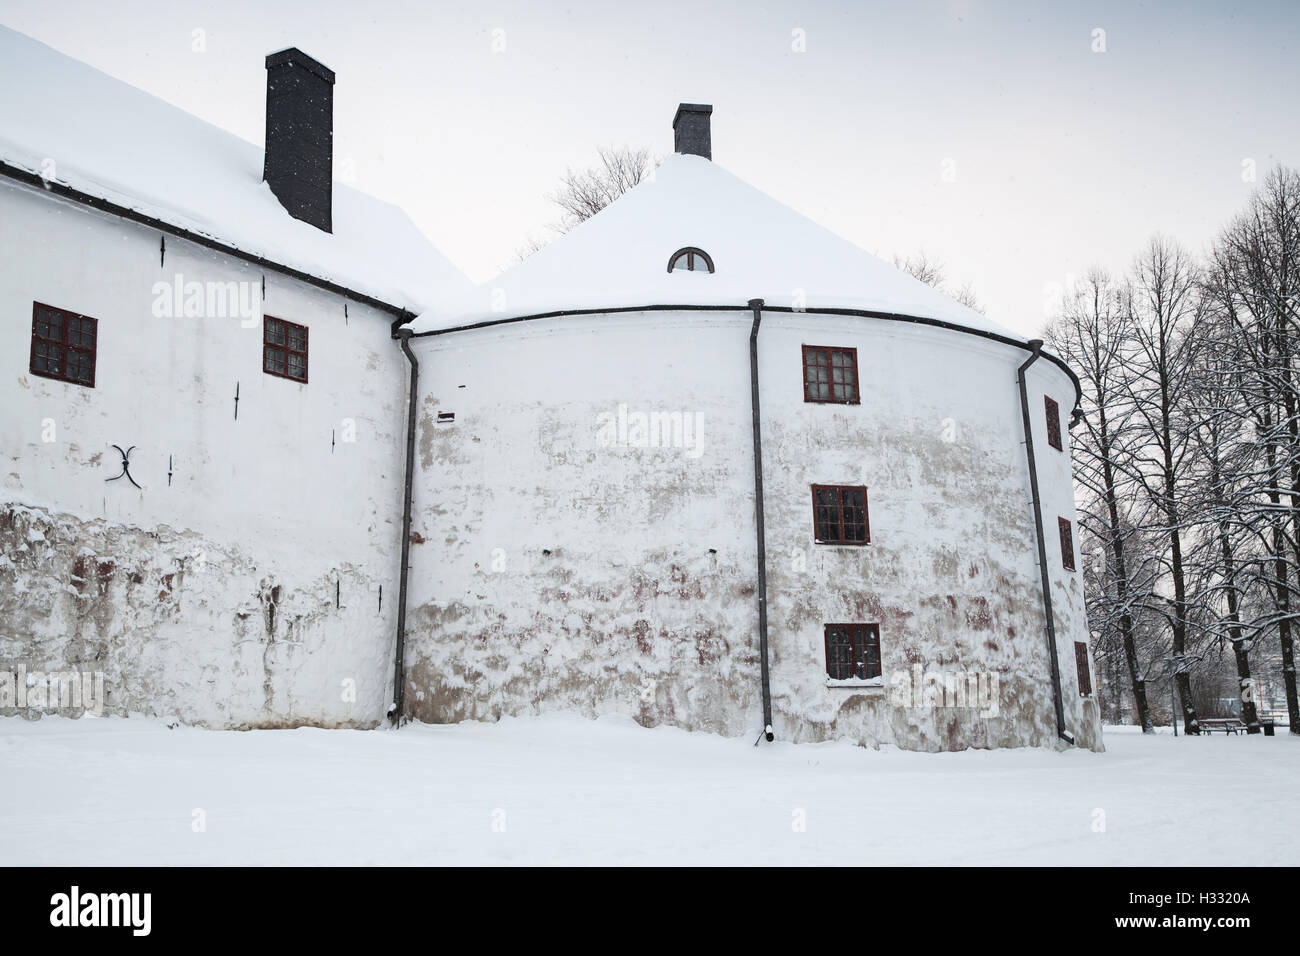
<point>932,272</point>
<point>966,296</point>
<point>1255,284</point>
<point>1189,464</point>
<point>1094,335</point>
<point>532,243</point>
<point>1166,309</point>
<point>922,268</point>
<point>1220,495</point>
<point>584,192</point>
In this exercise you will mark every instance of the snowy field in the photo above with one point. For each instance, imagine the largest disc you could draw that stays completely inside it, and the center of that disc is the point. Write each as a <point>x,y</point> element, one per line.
<point>561,790</point>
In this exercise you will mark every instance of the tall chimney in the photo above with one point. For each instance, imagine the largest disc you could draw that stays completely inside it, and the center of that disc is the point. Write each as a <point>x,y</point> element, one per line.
<point>300,136</point>
<point>691,130</point>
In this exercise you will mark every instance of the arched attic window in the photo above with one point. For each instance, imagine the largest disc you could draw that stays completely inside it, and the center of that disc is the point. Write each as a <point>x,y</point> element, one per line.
<point>690,259</point>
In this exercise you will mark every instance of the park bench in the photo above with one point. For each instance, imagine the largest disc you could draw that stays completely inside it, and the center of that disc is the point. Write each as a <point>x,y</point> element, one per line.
<point>1222,725</point>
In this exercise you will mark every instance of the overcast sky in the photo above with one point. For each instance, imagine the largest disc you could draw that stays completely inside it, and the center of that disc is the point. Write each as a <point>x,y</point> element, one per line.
<point>1010,140</point>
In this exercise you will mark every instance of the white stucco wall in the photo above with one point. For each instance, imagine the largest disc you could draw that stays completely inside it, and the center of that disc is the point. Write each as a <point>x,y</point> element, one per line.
<point>551,568</point>
<point>211,596</point>
<point>554,572</point>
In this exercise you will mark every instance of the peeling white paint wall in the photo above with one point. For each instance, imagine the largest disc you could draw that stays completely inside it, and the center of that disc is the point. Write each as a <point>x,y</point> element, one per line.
<point>211,596</point>
<point>552,568</point>
<point>554,572</point>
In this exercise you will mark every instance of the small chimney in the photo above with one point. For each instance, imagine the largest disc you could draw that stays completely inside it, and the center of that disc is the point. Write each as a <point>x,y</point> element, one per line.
<point>691,130</point>
<point>300,136</point>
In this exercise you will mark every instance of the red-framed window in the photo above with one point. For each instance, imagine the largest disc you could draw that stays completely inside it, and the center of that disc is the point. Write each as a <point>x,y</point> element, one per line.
<point>63,345</point>
<point>690,259</point>
<point>830,374</point>
<point>840,514</point>
<point>284,349</point>
<point>1081,669</point>
<point>1053,422</point>
<point>852,651</point>
<point>1067,543</point>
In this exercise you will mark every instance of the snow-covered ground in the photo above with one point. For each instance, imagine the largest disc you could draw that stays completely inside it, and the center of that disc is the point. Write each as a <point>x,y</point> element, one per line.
<point>570,791</point>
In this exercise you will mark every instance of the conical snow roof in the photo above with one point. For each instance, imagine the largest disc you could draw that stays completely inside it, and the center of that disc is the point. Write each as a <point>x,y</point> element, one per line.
<point>760,249</point>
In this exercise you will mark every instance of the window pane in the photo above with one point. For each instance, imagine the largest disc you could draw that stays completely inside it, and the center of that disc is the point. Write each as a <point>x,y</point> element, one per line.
<point>839,654</point>
<point>63,345</point>
<point>1053,423</point>
<point>1081,668</point>
<point>817,375</point>
<point>845,375</point>
<point>869,652</point>
<point>682,262</point>
<point>840,515</point>
<point>827,515</point>
<point>855,529</point>
<point>297,339</point>
<point>274,332</point>
<point>273,360</point>
<point>830,375</point>
<point>1067,544</point>
<point>54,321</point>
<point>49,324</point>
<point>297,366</point>
<point>47,358</point>
<point>79,365</point>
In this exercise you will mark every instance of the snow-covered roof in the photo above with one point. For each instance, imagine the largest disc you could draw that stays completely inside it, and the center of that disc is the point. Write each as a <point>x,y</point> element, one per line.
<point>85,130</point>
<point>761,249</point>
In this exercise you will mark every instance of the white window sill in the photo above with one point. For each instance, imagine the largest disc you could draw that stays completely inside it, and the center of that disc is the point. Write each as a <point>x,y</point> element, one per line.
<point>871,683</point>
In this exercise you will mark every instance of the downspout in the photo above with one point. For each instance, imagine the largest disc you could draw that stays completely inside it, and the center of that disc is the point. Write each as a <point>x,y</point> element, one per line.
<point>399,680</point>
<point>757,306</point>
<point>1035,350</point>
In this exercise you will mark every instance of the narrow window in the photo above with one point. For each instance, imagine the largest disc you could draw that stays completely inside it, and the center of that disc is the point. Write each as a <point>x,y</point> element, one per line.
<point>830,374</point>
<point>284,349</point>
<point>63,345</point>
<point>1053,423</point>
<point>852,651</point>
<point>1081,669</point>
<point>690,259</point>
<point>1067,544</point>
<point>840,514</point>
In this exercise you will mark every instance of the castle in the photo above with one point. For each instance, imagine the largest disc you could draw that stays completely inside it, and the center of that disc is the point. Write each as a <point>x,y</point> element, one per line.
<point>271,460</point>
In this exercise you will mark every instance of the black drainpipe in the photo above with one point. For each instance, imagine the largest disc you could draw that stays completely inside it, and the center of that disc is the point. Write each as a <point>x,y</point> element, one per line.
<point>1035,350</point>
<point>757,306</point>
<point>399,679</point>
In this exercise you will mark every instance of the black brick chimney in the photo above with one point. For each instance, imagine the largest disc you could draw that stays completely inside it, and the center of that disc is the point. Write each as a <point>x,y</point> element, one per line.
<point>300,136</point>
<point>691,130</point>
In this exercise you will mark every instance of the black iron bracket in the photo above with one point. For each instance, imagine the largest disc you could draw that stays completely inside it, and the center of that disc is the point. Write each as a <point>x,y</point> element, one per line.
<point>126,465</point>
